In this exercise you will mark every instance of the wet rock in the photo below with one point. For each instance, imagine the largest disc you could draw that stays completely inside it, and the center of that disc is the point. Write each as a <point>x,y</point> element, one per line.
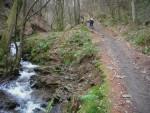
<point>44,105</point>
<point>37,110</point>
<point>44,94</point>
<point>56,109</point>
<point>7,103</point>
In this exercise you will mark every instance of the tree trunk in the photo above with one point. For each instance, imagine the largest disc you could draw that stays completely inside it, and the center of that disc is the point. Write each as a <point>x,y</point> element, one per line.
<point>59,8</point>
<point>133,10</point>
<point>77,11</point>
<point>23,23</point>
<point>7,35</point>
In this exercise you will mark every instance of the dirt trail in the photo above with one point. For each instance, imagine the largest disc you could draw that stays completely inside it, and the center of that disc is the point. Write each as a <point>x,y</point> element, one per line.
<point>130,72</point>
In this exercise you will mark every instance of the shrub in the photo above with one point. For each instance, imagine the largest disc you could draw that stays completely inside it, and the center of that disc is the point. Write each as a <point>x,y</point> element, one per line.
<point>37,47</point>
<point>140,37</point>
<point>77,47</point>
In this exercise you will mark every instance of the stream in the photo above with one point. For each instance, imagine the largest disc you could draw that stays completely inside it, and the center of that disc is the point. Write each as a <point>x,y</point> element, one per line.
<point>20,89</point>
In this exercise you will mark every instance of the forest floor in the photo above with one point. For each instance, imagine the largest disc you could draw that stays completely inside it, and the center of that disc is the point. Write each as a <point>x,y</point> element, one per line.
<point>128,72</point>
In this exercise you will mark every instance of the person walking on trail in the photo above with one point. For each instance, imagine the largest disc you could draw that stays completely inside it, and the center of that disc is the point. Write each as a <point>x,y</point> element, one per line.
<point>91,23</point>
<point>82,19</point>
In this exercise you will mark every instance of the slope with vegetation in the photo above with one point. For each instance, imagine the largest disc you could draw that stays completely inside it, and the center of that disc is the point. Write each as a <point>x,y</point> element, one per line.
<point>70,73</point>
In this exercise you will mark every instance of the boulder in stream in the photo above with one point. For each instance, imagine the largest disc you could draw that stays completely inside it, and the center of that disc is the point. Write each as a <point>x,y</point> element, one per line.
<point>7,103</point>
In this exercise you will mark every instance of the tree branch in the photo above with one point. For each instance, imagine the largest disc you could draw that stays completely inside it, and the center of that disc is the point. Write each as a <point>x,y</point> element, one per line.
<point>38,10</point>
<point>31,8</point>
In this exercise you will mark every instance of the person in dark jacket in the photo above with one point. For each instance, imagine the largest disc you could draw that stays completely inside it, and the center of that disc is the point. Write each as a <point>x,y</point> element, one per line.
<point>91,21</point>
<point>8,3</point>
<point>82,19</point>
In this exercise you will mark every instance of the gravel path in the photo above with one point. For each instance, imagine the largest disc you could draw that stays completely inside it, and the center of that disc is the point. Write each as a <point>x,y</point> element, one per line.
<point>136,75</point>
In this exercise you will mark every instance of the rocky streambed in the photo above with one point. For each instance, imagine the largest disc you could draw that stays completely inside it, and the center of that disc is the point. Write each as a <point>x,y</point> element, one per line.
<point>18,93</point>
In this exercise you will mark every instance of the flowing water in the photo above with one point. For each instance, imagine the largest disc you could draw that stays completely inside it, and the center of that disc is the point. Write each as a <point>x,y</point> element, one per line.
<point>20,89</point>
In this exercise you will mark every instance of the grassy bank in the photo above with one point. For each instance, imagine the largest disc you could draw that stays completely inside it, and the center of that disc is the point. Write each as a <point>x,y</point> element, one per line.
<point>72,54</point>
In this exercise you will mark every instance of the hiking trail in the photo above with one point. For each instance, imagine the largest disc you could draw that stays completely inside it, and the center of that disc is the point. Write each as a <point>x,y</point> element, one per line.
<point>130,72</point>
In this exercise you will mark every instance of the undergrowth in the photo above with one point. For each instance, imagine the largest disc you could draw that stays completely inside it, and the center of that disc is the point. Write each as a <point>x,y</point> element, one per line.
<point>140,36</point>
<point>108,20</point>
<point>37,47</point>
<point>95,101</point>
<point>77,47</point>
<point>74,49</point>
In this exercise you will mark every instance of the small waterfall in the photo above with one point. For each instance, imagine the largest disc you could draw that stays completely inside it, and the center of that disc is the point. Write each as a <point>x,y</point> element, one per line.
<point>20,89</point>
<point>13,50</point>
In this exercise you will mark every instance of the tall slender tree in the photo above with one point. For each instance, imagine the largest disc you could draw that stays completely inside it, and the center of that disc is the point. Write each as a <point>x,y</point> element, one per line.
<point>77,11</point>
<point>133,10</point>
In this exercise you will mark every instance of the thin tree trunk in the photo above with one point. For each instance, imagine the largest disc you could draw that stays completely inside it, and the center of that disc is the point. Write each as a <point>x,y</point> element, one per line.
<point>23,23</point>
<point>78,3</point>
<point>77,11</point>
<point>59,10</point>
<point>133,10</point>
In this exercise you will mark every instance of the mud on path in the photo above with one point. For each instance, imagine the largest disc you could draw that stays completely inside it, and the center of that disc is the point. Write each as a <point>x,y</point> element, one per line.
<point>129,72</point>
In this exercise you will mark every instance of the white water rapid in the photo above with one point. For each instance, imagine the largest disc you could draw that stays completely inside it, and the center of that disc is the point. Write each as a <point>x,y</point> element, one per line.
<point>20,89</point>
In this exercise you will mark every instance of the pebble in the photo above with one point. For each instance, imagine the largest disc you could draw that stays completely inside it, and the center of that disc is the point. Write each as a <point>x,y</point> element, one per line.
<point>126,96</point>
<point>126,111</point>
<point>144,71</point>
<point>147,78</point>
<point>128,101</point>
<point>120,77</point>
